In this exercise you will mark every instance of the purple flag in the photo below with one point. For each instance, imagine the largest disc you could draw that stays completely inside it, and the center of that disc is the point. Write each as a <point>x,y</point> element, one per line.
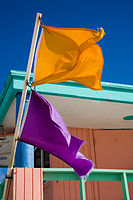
<point>45,129</point>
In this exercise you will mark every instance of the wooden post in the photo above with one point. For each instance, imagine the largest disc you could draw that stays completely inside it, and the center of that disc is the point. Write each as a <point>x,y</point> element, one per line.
<point>17,128</point>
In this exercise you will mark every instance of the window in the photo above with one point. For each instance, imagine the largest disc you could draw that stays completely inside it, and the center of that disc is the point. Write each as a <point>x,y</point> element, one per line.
<point>41,158</point>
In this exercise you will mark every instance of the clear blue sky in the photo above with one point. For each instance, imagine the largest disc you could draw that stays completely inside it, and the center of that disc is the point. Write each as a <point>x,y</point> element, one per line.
<point>17,19</point>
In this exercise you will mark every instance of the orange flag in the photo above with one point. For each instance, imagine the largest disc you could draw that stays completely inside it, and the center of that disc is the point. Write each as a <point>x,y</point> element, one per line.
<point>69,54</point>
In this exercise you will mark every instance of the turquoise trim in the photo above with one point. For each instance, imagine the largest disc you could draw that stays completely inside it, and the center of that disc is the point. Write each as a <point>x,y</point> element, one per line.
<point>82,189</point>
<point>125,186</point>
<point>2,185</point>
<point>107,94</point>
<point>111,92</point>
<point>6,101</point>
<point>123,176</point>
<point>96,174</point>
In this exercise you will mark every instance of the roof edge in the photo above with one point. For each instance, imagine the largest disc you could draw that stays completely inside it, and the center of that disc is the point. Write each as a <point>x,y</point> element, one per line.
<point>105,85</point>
<point>112,92</point>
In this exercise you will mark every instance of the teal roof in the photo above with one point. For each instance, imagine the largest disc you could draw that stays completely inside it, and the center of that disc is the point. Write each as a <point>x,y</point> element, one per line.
<point>111,92</point>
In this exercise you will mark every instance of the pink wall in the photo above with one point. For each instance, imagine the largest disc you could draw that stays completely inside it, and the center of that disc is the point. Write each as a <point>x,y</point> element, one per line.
<point>108,149</point>
<point>113,150</point>
<point>27,184</point>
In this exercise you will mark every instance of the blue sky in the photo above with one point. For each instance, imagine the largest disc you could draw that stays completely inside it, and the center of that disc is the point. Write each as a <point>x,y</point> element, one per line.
<point>17,23</point>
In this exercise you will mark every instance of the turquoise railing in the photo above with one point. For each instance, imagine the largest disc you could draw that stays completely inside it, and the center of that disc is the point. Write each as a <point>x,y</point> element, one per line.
<point>2,189</point>
<point>124,176</point>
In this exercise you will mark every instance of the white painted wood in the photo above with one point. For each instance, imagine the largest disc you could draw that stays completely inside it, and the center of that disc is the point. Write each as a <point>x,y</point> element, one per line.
<point>83,113</point>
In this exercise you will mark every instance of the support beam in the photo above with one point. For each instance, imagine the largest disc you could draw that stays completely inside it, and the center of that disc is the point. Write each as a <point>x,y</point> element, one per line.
<point>82,189</point>
<point>125,187</point>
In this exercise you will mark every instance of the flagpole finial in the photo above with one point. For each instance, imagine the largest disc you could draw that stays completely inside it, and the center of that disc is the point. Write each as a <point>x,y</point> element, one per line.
<point>39,16</point>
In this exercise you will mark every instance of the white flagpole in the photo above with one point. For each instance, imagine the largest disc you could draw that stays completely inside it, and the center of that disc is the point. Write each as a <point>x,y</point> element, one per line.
<point>22,102</point>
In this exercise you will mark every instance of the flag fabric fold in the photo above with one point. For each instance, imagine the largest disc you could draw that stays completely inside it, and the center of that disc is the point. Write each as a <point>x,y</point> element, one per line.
<point>44,128</point>
<point>69,54</point>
